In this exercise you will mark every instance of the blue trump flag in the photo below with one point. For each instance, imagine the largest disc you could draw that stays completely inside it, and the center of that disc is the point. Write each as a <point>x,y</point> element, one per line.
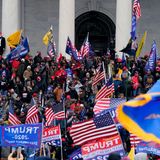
<point>27,135</point>
<point>141,116</point>
<point>69,47</point>
<point>20,51</point>
<point>151,64</point>
<point>134,23</point>
<point>72,51</point>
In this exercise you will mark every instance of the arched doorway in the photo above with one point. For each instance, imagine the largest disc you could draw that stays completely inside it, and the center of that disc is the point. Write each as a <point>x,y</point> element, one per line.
<point>101,31</point>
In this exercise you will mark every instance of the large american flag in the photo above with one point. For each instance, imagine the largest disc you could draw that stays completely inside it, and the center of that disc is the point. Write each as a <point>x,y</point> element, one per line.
<point>100,126</point>
<point>105,91</point>
<point>134,140</point>
<point>32,115</point>
<point>98,77</point>
<point>137,9</point>
<point>85,47</point>
<point>12,119</point>
<point>106,103</point>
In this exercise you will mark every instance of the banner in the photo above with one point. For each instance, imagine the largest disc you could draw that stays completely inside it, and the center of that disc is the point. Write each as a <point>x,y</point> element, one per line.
<point>27,135</point>
<point>102,148</point>
<point>76,155</point>
<point>52,135</point>
<point>149,147</point>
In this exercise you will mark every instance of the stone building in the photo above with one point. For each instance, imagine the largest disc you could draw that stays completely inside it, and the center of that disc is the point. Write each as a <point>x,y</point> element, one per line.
<point>107,21</point>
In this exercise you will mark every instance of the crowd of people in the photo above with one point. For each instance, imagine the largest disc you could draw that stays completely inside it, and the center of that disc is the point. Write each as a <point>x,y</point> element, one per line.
<point>59,80</point>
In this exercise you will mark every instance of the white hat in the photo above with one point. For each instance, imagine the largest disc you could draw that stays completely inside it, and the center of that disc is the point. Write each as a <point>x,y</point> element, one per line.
<point>28,67</point>
<point>140,156</point>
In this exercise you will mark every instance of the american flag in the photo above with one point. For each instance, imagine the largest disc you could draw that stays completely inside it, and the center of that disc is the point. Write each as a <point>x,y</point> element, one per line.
<point>134,140</point>
<point>85,48</point>
<point>106,103</point>
<point>49,114</point>
<point>105,91</point>
<point>101,105</point>
<point>32,115</point>
<point>98,77</point>
<point>12,119</point>
<point>137,9</point>
<point>100,126</point>
<point>59,112</point>
<point>115,102</point>
<point>60,115</point>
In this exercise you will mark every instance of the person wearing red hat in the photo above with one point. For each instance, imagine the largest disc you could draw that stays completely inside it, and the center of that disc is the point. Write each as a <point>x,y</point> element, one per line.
<point>2,44</point>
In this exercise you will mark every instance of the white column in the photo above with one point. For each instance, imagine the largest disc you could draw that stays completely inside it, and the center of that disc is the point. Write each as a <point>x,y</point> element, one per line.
<point>10,17</point>
<point>66,24</point>
<point>123,23</point>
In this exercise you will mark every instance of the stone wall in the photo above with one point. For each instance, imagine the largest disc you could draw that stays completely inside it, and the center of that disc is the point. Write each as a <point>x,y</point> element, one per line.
<point>38,16</point>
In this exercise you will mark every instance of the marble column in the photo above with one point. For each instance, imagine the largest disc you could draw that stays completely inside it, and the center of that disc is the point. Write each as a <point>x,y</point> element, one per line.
<point>123,23</point>
<point>11,17</point>
<point>66,24</point>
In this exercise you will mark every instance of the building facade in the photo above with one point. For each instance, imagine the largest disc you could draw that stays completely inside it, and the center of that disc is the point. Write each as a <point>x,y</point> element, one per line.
<point>107,21</point>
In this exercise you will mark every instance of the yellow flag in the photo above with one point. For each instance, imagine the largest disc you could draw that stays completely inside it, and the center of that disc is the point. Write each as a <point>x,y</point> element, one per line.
<point>120,73</point>
<point>47,37</point>
<point>14,39</point>
<point>141,44</point>
<point>131,154</point>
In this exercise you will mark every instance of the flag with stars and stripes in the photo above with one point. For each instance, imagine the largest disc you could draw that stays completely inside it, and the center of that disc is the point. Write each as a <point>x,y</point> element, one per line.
<point>102,125</point>
<point>106,91</point>
<point>32,115</point>
<point>137,9</point>
<point>12,119</point>
<point>115,102</point>
<point>85,48</point>
<point>49,114</point>
<point>134,140</point>
<point>98,77</point>
<point>106,103</point>
<point>101,105</point>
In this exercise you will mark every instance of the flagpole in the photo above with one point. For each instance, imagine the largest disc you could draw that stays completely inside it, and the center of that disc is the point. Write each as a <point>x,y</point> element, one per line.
<point>104,72</point>
<point>64,108</point>
<point>61,145</point>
